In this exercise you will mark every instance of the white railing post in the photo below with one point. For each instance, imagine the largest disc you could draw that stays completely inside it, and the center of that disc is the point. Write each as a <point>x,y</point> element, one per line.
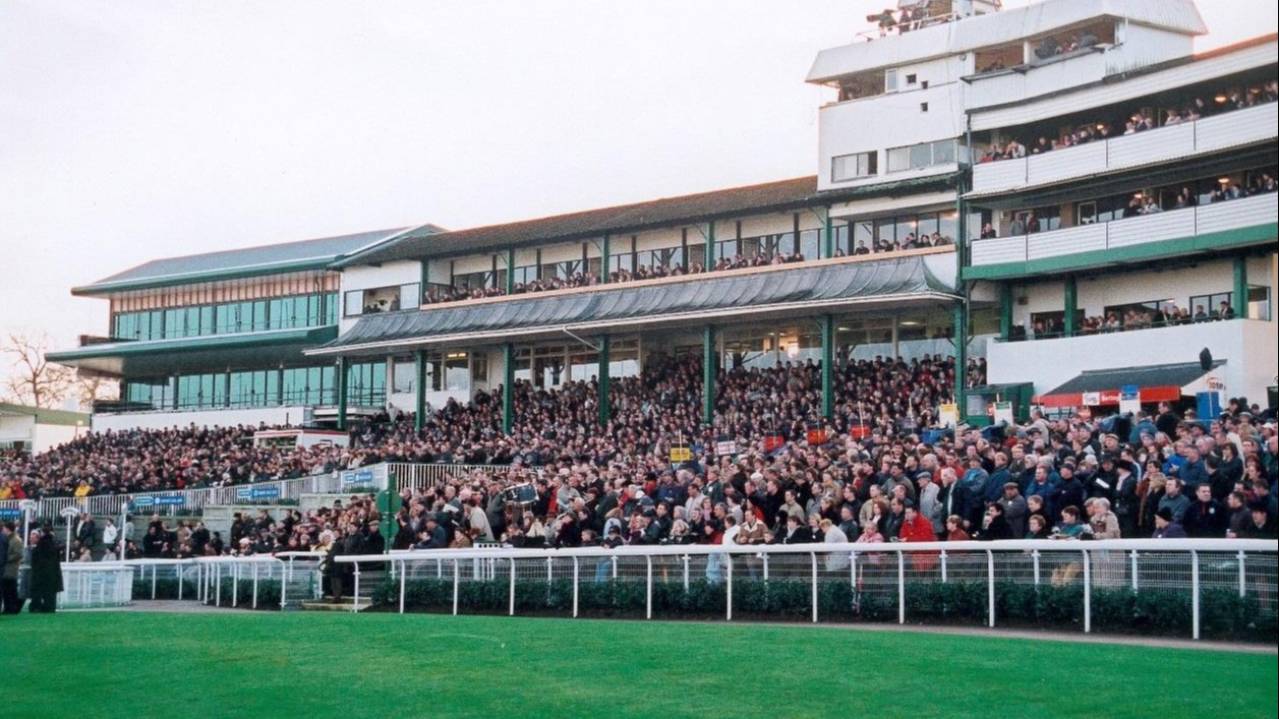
<point>180,574</point>
<point>648,587</point>
<point>1087,594</point>
<point>728,594</point>
<point>574,586</point>
<point>1034,559</point>
<point>1243,580</point>
<point>284,588</point>
<point>943,566</point>
<point>235,584</point>
<point>355,603</point>
<point>813,555</point>
<point>901,587</point>
<point>686,561</point>
<point>614,567</point>
<point>990,581</point>
<point>764,556</point>
<point>1194,592</point>
<point>456,579</point>
<point>255,585</point>
<point>153,568</point>
<point>404,577</point>
<point>512,588</point>
<point>1133,560</point>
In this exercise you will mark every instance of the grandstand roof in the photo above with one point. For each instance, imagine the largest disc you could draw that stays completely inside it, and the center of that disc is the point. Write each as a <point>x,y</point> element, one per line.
<point>193,353</point>
<point>636,217</point>
<point>247,261</point>
<point>741,294</point>
<point>45,416</point>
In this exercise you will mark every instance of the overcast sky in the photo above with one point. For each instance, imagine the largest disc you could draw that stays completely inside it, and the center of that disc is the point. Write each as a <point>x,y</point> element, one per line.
<point>136,130</point>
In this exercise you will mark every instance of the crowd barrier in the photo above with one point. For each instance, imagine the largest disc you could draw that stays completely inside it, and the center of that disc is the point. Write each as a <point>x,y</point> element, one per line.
<point>1163,583</point>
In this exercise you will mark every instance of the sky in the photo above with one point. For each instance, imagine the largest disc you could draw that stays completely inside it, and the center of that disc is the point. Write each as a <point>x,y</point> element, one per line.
<point>133,130</point>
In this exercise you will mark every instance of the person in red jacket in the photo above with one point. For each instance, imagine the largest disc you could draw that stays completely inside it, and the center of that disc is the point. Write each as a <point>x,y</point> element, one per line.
<point>917,528</point>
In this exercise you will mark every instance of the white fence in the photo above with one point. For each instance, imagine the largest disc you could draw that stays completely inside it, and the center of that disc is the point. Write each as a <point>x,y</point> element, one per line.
<point>885,573</point>
<point>1144,229</point>
<point>1231,129</point>
<point>95,585</point>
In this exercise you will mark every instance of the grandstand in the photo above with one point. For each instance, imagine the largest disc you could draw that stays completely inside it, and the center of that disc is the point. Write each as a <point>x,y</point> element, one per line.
<point>1027,296</point>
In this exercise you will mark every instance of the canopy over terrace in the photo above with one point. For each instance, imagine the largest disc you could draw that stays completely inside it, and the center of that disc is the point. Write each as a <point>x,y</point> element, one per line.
<point>1155,383</point>
<point>815,289</point>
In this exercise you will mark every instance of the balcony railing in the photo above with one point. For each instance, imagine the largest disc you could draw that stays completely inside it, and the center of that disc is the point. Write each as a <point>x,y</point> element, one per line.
<point>1231,129</point>
<point>1128,232</point>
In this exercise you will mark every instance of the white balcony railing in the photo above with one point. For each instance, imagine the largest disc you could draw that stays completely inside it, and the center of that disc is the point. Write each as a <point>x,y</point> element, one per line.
<point>1232,129</point>
<point>1162,226</point>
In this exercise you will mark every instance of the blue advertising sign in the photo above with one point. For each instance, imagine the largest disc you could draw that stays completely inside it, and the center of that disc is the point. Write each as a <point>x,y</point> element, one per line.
<point>10,513</point>
<point>143,501</point>
<point>170,500</point>
<point>271,492</point>
<point>363,476</point>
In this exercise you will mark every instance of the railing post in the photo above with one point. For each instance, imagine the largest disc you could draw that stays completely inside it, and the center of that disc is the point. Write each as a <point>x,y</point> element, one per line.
<point>404,578</point>
<point>235,585</point>
<point>990,586</point>
<point>284,588</point>
<point>764,556</point>
<point>153,568</point>
<point>648,587</point>
<point>1087,594</point>
<point>575,587</point>
<point>1194,591</point>
<point>439,568</point>
<point>255,585</point>
<point>456,578</point>
<point>901,588</point>
<point>1034,559</point>
<point>943,566</point>
<point>1133,559</point>
<point>686,561</point>
<point>355,603</point>
<point>217,584</point>
<point>1243,581</point>
<point>614,567</point>
<point>813,555</point>
<point>512,589</point>
<point>729,593</point>
<point>852,570</point>
<point>178,570</point>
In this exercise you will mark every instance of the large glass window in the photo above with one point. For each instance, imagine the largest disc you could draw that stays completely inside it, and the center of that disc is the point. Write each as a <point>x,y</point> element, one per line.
<point>202,391</point>
<point>404,375</point>
<point>254,388</point>
<point>922,155</point>
<point>310,385</point>
<point>851,167</point>
<point>158,393</point>
<point>366,384</point>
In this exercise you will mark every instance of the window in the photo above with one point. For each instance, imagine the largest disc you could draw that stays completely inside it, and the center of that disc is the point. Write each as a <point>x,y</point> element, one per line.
<point>923,107</point>
<point>404,375</point>
<point>925,154</point>
<point>911,78</point>
<point>1208,307</point>
<point>310,385</point>
<point>366,384</point>
<point>890,80</point>
<point>381,299</point>
<point>1259,303</point>
<point>256,388</point>
<point>848,167</point>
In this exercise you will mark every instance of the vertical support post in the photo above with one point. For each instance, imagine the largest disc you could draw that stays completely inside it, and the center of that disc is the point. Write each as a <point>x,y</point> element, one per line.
<point>343,364</point>
<point>1005,310</point>
<point>1194,592</point>
<point>990,587</point>
<point>419,390</point>
<point>575,565</point>
<point>648,587</point>
<point>1071,306</point>
<point>605,408</point>
<point>614,567</point>
<point>961,357</point>
<point>423,279</point>
<point>728,590</point>
<point>1239,298</point>
<point>852,571</point>
<point>178,571</point>
<point>828,236</point>
<point>284,589</point>
<point>709,365</point>
<point>710,246</point>
<point>764,556</point>
<point>1087,593</point>
<point>1034,559</point>
<point>828,366</point>
<point>456,580</point>
<point>512,589</point>
<point>508,387</point>
<point>901,588</point>
<point>686,561</point>
<point>153,568</point>
<point>255,585</point>
<point>813,555</point>
<point>606,252</point>
<point>355,600</point>
<point>404,576</point>
<point>943,566</point>
<point>510,271</point>
<point>1132,557</point>
<point>1243,580</point>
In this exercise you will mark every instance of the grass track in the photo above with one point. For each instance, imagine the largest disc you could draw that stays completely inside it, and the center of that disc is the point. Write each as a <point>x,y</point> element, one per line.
<point>381,665</point>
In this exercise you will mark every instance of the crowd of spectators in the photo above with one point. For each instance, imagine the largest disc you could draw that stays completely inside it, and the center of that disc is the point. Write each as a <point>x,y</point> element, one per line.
<point>1139,120</point>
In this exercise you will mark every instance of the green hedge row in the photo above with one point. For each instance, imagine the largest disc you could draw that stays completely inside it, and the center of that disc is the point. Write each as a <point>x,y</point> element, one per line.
<point>268,591</point>
<point>1160,612</point>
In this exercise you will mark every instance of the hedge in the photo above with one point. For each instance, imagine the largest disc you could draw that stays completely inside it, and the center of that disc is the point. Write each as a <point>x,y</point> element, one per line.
<point>1160,612</point>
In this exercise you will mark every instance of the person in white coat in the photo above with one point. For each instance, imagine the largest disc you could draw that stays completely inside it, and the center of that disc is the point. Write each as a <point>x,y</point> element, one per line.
<point>835,561</point>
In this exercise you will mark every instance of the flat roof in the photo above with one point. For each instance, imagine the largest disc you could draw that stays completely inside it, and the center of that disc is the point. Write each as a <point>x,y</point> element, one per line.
<point>62,417</point>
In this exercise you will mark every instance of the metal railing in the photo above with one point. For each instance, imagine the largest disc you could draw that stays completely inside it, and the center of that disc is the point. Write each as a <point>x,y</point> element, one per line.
<point>848,581</point>
<point>94,585</point>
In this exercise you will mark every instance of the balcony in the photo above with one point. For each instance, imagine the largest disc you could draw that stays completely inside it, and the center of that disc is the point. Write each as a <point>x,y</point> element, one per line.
<point>1211,134</point>
<point>1222,225</point>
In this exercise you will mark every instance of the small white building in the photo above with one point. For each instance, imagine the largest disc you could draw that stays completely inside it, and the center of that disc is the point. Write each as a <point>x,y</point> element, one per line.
<point>32,429</point>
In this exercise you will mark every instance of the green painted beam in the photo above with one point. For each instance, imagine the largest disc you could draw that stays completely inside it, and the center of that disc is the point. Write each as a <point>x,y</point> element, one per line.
<point>307,335</point>
<point>1005,310</point>
<point>343,367</point>
<point>1070,306</point>
<point>510,270</point>
<point>961,357</point>
<point>828,366</point>
<point>605,406</point>
<point>419,390</point>
<point>1198,244</point>
<point>606,253</point>
<point>1239,298</point>
<point>508,387</point>
<point>710,245</point>
<point>828,236</point>
<point>709,365</point>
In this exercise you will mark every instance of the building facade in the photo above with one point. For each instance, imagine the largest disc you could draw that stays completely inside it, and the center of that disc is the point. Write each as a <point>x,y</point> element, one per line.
<point>1061,189</point>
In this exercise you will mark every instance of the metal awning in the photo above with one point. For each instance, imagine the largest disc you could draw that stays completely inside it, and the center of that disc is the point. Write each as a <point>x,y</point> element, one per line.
<point>249,350</point>
<point>700,298</point>
<point>1155,383</point>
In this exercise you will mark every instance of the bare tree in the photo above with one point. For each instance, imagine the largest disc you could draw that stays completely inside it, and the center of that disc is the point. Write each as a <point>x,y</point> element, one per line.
<point>91,387</point>
<point>31,379</point>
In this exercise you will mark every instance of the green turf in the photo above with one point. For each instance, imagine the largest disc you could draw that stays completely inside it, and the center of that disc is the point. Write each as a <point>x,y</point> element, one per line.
<point>384,665</point>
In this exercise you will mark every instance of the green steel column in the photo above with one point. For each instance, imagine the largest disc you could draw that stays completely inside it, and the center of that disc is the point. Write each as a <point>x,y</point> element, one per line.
<point>419,388</point>
<point>708,375</point>
<point>1005,310</point>
<point>510,270</point>
<point>828,366</point>
<point>828,237</point>
<point>1072,306</point>
<point>424,279</point>
<point>606,252</point>
<point>342,382</point>
<point>508,387</point>
<point>1239,299</point>
<point>710,245</point>
<point>279,386</point>
<point>961,356</point>
<point>226,389</point>
<point>606,408</point>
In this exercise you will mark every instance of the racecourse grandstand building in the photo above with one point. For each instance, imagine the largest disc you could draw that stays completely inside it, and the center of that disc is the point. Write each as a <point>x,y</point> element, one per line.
<point>1063,192</point>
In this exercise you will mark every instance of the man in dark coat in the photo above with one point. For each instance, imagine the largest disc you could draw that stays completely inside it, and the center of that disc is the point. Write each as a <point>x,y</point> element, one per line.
<point>46,572</point>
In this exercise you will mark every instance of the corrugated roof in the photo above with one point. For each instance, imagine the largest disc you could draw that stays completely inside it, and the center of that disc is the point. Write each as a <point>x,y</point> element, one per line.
<point>46,416</point>
<point>281,257</point>
<point>1161,375</point>
<point>853,280</point>
<point>664,212</point>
